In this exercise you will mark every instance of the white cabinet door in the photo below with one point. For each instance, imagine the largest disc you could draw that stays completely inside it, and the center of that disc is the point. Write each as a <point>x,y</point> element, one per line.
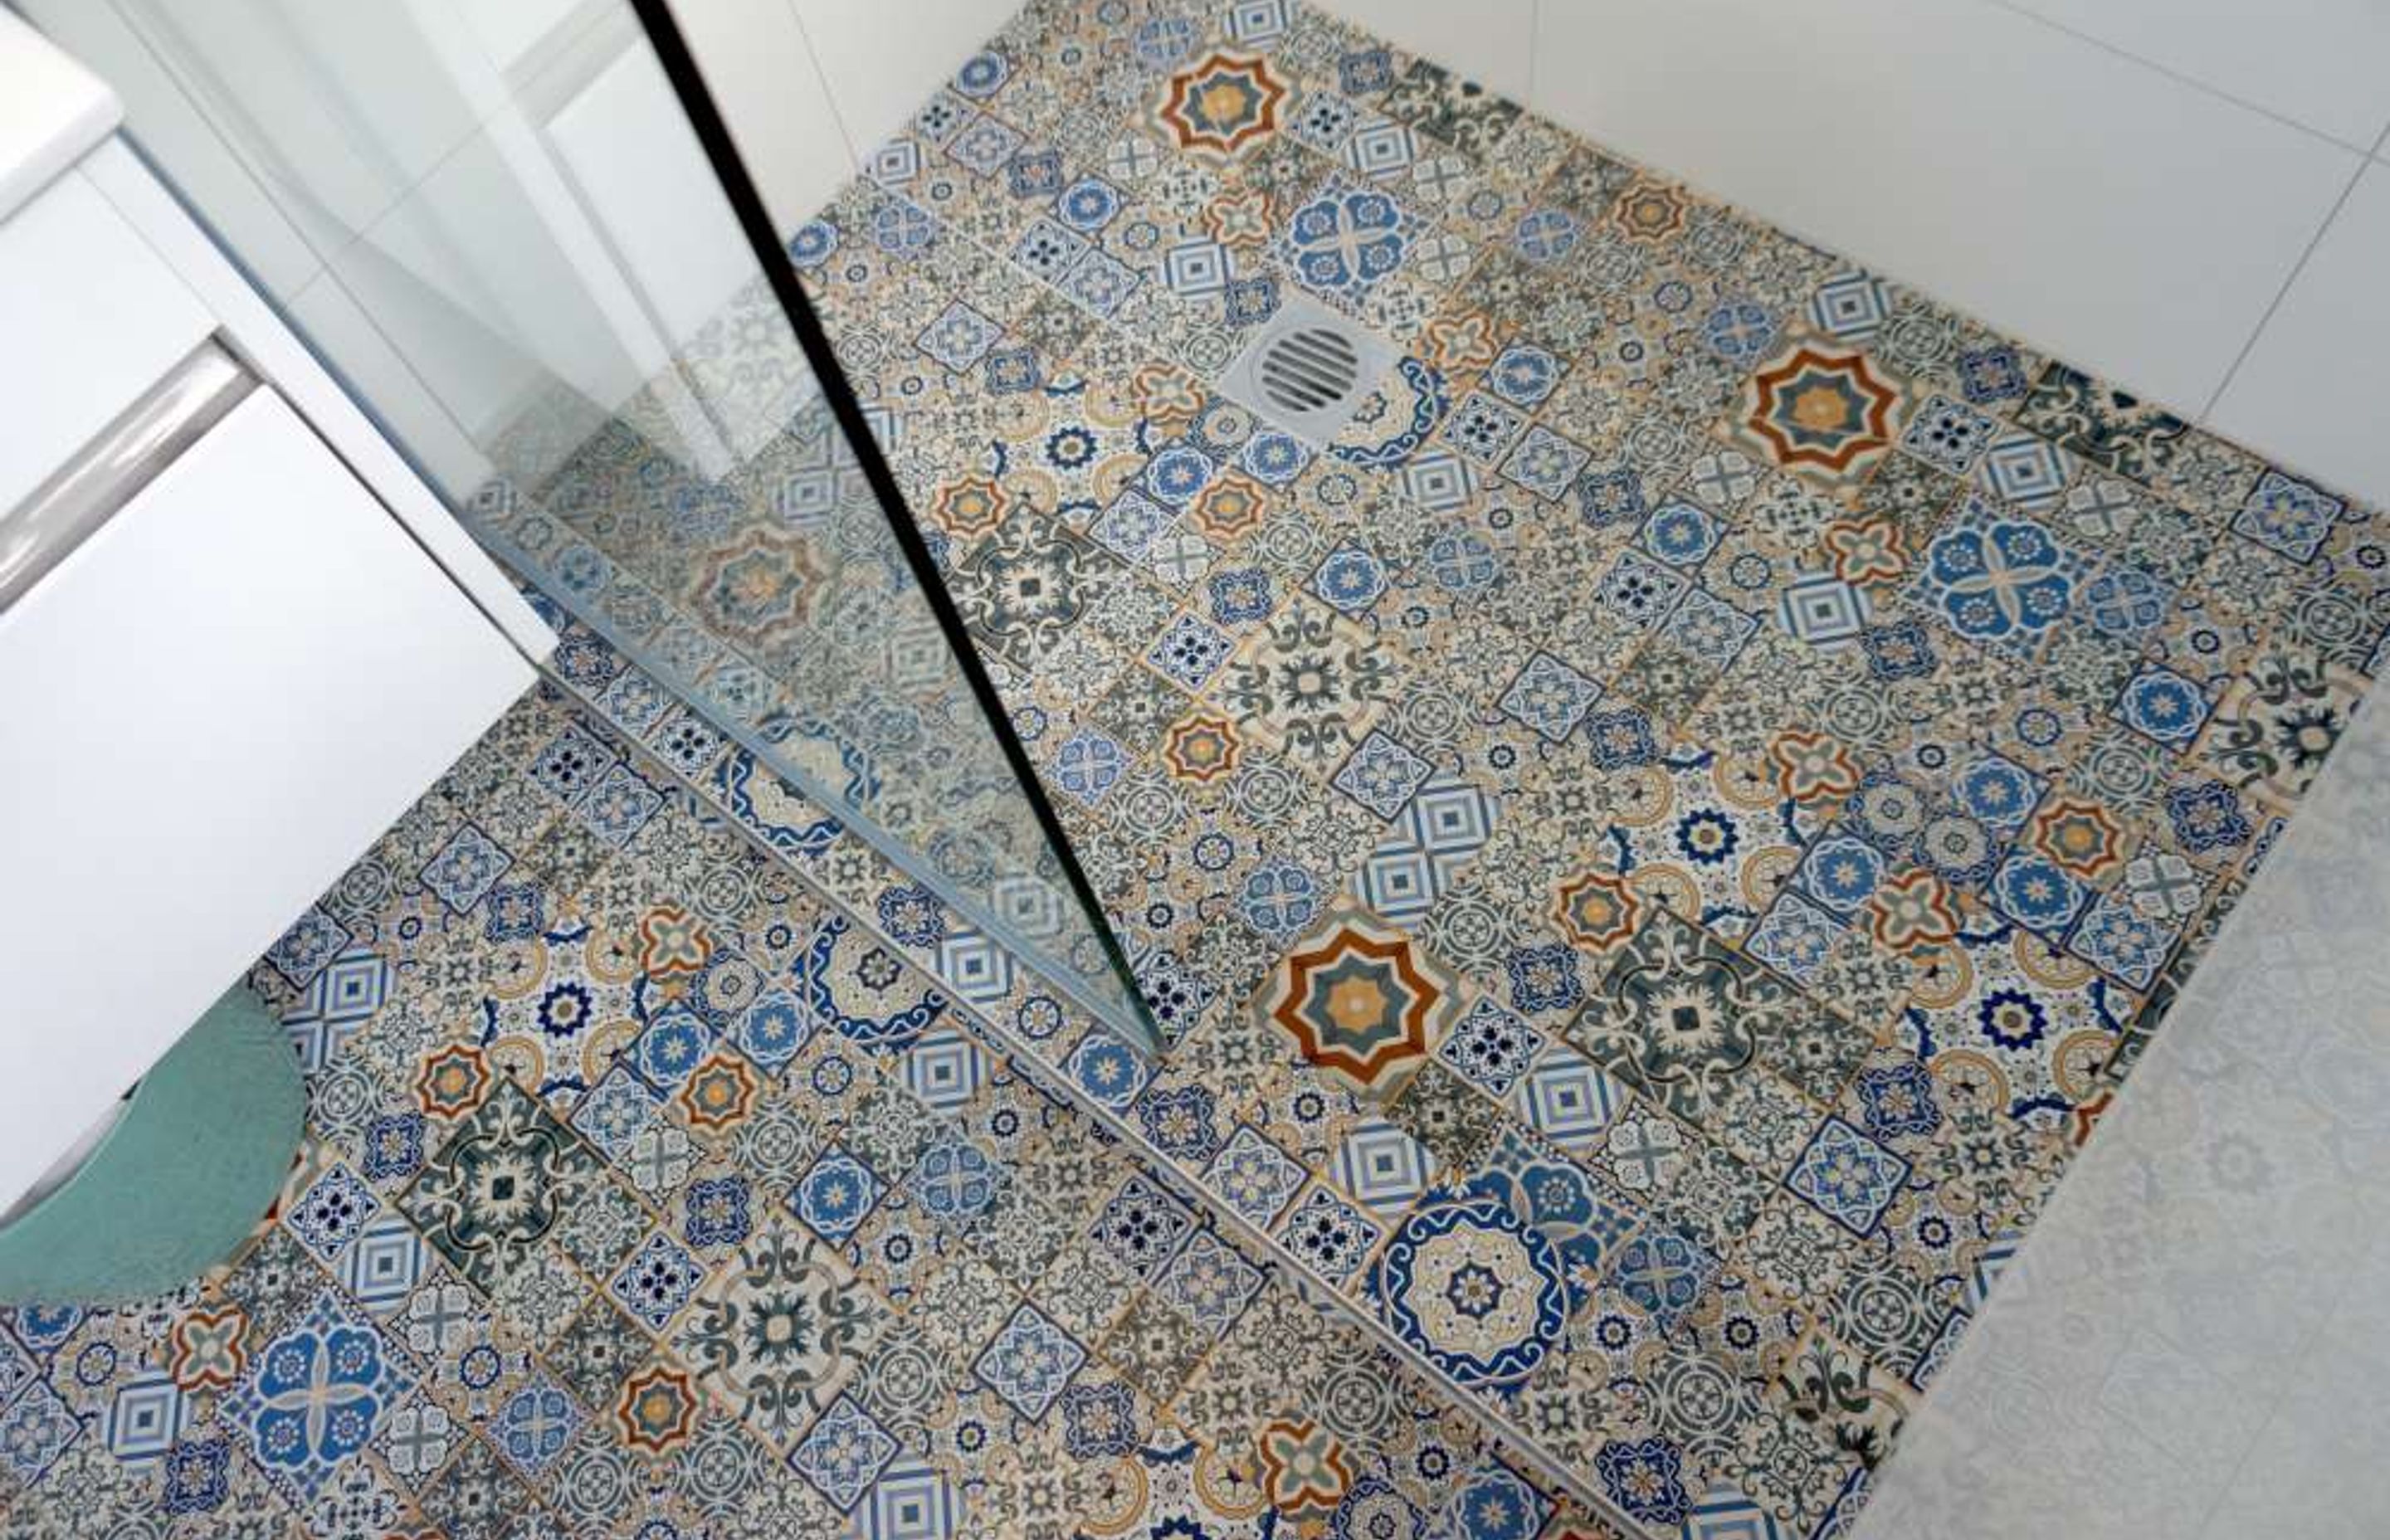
<point>92,317</point>
<point>207,712</point>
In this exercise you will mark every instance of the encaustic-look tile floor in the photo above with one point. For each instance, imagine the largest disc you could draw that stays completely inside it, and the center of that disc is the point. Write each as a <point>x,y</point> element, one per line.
<point>1655,847</point>
<point>1651,851</point>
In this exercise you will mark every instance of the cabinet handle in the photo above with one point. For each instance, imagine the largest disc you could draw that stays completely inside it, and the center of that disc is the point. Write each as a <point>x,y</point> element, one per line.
<point>116,464</point>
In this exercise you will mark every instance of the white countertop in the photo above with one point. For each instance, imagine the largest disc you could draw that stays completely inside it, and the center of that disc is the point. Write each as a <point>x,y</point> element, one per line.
<point>52,110</point>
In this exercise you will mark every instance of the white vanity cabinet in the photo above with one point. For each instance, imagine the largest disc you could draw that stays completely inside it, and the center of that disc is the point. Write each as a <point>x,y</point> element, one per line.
<point>238,639</point>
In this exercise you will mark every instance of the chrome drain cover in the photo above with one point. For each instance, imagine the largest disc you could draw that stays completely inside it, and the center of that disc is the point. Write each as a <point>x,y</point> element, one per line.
<point>1308,370</point>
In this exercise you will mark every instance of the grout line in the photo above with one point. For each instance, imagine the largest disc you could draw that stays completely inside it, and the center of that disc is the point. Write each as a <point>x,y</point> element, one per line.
<point>2208,410</point>
<point>2016,8</point>
<point>2124,374</point>
<point>2266,1424</point>
<point>829,95</point>
<point>1032,1063</point>
<point>1534,50</point>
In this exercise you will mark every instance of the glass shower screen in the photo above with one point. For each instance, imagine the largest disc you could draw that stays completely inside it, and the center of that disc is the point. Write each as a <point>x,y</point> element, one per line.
<point>521,234</point>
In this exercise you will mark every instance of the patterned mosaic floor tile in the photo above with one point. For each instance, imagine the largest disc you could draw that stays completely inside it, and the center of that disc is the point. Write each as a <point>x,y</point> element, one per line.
<point>1716,716</point>
<point>896,1285</point>
<point>1651,849</point>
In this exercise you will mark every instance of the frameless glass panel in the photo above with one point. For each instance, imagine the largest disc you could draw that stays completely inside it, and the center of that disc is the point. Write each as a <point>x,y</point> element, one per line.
<point>493,219</point>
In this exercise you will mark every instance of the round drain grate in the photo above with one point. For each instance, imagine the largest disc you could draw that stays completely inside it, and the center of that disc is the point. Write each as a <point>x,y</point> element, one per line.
<point>1308,368</point>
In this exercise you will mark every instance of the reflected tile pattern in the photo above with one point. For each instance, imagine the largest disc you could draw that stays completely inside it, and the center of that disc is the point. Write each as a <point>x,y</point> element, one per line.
<point>755,574</point>
<point>2233,1200</point>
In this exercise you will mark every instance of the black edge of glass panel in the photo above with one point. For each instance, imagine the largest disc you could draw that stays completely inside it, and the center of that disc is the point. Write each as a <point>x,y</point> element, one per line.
<point>714,136</point>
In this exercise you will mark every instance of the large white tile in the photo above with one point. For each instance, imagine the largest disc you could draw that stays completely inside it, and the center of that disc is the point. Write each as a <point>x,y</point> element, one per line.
<point>2317,62</point>
<point>2118,217</point>
<point>883,65</point>
<point>1492,42</point>
<point>646,182</point>
<point>342,110</point>
<point>511,32</point>
<point>2310,391</point>
<point>762,75</point>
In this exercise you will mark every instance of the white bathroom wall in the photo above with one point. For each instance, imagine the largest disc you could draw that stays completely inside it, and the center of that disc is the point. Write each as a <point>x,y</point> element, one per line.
<point>472,206</point>
<point>2133,184</point>
<point>763,73</point>
<point>812,87</point>
<point>882,60</point>
<point>2185,194</point>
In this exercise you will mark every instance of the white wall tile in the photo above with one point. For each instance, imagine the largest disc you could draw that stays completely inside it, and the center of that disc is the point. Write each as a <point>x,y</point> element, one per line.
<point>2323,63</point>
<point>762,76</point>
<point>2132,223</point>
<point>2312,389</point>
<point>883,60</point>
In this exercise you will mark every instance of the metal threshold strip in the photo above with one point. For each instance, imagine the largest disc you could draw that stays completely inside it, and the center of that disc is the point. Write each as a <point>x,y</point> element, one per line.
<point>714,136</point>
<point>121,459</point>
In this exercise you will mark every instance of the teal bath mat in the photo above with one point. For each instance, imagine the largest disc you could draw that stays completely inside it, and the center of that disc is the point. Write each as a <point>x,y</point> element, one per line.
<point>195,1159</point>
